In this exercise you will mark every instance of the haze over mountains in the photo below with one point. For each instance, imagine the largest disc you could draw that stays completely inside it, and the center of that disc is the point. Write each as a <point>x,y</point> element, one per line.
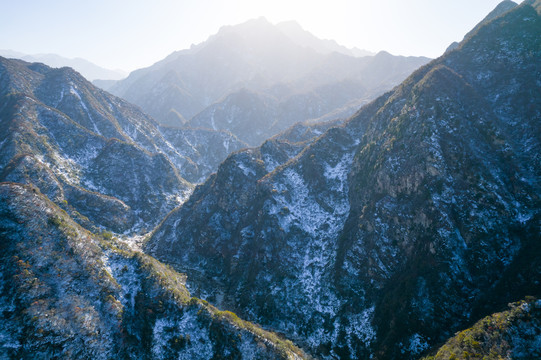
<point>267,77</point>
<point>401,232</point>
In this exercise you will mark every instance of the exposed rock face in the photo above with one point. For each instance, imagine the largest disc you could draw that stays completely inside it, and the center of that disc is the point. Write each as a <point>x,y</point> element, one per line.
<point>89,150</point>
<point>384,236</point>
<point>254,80</point>
<point>67,293</point>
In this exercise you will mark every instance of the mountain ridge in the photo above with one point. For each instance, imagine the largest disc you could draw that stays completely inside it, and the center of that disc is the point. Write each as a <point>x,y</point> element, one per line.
<point>295,32</point>
<point>499,10</point>
<point>64,134</point>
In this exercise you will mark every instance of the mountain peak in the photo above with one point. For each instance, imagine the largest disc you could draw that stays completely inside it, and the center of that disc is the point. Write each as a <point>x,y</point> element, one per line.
<point>249,25</point>
<point>499,10</point>
<point>293,30</point>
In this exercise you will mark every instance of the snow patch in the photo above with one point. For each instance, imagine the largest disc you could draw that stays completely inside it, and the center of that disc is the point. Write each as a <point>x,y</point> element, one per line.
<point>245,169</point>
<point>74,92</point>
<point>360,328</point>
<point>270,163</point>
<point>197,343</point>
<point>124,272</point>
<point>416,345</point>
<point>339,172</point>
<point>63,167</point>
<point>319,217</point>
<point>523,218</point>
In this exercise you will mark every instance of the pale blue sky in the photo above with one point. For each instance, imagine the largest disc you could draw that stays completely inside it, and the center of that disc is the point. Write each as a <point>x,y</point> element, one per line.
<point>129,34</point>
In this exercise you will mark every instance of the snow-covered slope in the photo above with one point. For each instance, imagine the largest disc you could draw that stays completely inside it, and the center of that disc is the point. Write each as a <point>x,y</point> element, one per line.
<point>89,150</point>
<point>68,293</point>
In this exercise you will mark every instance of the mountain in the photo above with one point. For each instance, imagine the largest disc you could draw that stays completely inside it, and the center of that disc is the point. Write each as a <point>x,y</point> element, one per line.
<point>89,70</point>
<point>295,32</point>
<point>66,293</point>
<point>75,164</point>
<point>88,150</point>
<point>384,236</point>
<point>188,81</point>
<point>260,58</point>
<point>499,10</point>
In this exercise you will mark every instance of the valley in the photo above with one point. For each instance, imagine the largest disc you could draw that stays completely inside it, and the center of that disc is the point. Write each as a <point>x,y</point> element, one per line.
<point>266,194</point>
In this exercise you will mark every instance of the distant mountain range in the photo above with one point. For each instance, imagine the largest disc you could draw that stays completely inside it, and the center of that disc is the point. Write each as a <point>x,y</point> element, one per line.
<point>267,77</point>
<point>86,68</point>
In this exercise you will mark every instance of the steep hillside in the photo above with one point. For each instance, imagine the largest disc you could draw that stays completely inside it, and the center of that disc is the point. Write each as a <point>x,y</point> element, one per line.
<point>388,234</point>
<point>254,116</point>
<point>67,293</point>
<point>90,151</point>
<point>511,334</point>
<point>204,148</point>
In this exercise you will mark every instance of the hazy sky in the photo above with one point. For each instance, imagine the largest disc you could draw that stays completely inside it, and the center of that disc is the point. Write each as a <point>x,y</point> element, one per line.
<point>129,34</point>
